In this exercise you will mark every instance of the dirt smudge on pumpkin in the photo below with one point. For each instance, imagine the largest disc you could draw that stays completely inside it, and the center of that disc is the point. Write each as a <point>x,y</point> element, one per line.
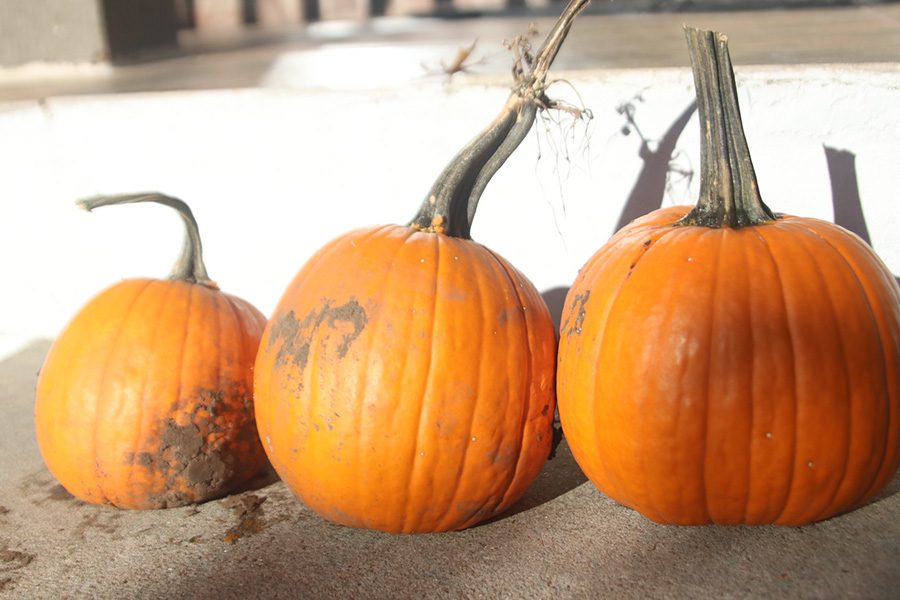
<point>296,335</point>
<point>577,308</point>
<point>503,456</point>
<point>202,458</point>
<point>249,512</point>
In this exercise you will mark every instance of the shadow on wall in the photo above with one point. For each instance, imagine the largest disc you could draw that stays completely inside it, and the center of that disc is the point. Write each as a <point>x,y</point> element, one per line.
<point>555,298</point>
<point>848,212</point>
<point>650,187</point>
<point>845,200</point>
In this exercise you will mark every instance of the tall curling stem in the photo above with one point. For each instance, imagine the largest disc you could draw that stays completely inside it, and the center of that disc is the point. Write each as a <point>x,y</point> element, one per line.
<point>452,201</point>
<point>189,265</point>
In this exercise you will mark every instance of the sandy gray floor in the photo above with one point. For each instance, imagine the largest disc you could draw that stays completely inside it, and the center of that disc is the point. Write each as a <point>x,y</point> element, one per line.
<point>564,540</point>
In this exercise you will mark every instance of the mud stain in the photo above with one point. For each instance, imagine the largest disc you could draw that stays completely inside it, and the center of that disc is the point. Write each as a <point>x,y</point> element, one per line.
<point>296,335</point>
<point>577,308</point>
<point>247,508</point>
<point>11,561</point>
<point>104,521</point>
<point>506,456</point>
<point>208,455</point>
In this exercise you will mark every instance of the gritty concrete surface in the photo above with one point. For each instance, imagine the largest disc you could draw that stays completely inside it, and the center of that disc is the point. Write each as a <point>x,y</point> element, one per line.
<point>563,540</point>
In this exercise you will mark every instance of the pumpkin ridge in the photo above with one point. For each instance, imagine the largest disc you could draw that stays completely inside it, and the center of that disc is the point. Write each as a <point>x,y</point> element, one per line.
<point>240,327</point>
<point>884,361</point>
<point>843,352</point>
<point>102,383</point>
<point>600,346</point>
<point>378,333</point>
<point>752,391</point>
<point>655,236</point>
<point>786,502</point>
<point>761,248</point>
<point>424,397</point>
<point>564,337</point>
<point>478,288</point>
<point>360,393</point>
<point>526,384</point>
<point>183,345</point>
<point>892,466</point>
<point>141,416</point>
<point>711,324</point>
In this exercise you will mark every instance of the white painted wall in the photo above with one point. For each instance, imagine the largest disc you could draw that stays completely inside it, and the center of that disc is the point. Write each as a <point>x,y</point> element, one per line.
<point>275,172</point>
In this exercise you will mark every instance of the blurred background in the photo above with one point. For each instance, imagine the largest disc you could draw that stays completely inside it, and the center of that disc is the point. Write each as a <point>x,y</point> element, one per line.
<point>285,123</point>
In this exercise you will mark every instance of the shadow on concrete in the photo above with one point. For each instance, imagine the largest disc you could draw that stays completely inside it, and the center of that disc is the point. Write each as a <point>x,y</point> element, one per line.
<point>650,187</point>
<point>561,474</point>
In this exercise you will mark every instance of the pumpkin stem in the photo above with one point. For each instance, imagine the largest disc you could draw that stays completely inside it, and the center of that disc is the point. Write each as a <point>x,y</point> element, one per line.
<point>450,205</point>
<point>189,266</point>
<point>729,193</point>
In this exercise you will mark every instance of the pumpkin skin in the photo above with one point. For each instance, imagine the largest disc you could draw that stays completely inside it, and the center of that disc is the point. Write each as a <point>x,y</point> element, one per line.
<point>405,382</point>
<point>144,400</point>
<point>733,375</point>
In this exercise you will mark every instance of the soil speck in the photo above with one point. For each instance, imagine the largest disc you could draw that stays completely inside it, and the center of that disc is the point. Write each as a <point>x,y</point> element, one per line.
<point>249,512</point>
<point>577,308</point>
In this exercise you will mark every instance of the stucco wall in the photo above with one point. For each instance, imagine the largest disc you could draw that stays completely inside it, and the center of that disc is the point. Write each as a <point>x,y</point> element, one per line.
<point>273,173</point>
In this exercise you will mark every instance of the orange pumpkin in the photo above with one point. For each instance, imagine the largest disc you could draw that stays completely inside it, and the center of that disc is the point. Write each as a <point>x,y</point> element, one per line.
<point>144,400</point>
<point>405,382</point>
<point>724,365</point>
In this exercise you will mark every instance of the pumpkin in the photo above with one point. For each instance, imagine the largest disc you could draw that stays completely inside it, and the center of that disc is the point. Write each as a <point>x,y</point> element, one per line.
<point>405,382</point>
<point>144,400</point>
<point>724,364</point>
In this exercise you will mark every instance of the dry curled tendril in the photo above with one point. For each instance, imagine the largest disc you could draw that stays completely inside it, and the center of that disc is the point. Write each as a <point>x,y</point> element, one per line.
<point>527,81</point>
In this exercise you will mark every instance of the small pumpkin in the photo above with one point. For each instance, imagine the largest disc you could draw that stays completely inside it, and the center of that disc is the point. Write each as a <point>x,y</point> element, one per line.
<point>405,382</point>
<point>724,364</point>
<point>144,400</point>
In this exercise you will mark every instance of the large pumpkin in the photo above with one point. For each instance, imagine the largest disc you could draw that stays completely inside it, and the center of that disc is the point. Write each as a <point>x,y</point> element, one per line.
<point>144,400</point>
<point>724,365</point>
<point>405,382</point>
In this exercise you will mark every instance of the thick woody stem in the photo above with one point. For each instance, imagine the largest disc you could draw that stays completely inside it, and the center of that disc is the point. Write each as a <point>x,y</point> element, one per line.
<point>729,193</point>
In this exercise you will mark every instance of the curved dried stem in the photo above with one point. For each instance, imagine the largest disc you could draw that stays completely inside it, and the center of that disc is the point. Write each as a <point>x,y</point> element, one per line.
<point>451,203</point>
<point>189,266</point>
